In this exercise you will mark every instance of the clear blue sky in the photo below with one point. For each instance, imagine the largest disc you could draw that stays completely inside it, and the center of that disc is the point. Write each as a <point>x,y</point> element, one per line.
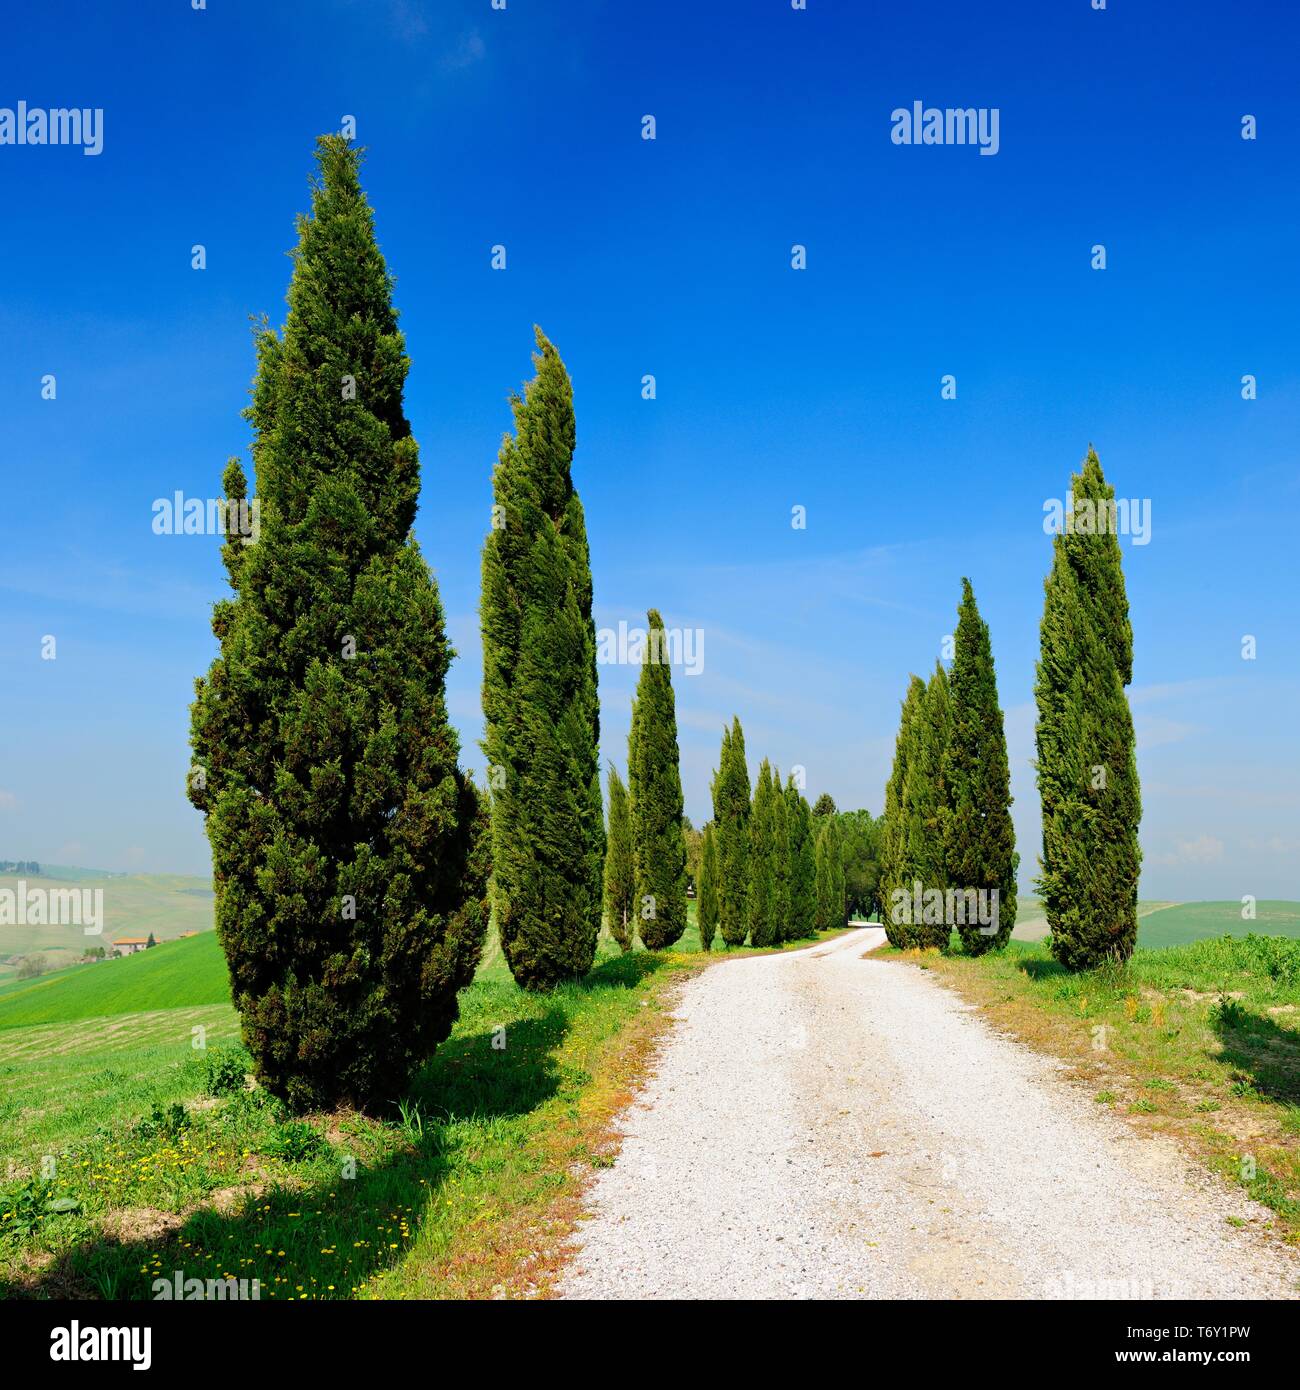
<point>819,388</point>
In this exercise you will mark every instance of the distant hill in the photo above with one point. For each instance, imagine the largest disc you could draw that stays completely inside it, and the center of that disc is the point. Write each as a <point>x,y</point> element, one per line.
<point>176,975</point>
<point>1177,924</point>
<point>168,905</point>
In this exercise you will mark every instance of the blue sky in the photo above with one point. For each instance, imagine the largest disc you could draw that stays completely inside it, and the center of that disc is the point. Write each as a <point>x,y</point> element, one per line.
<point>818,388</point>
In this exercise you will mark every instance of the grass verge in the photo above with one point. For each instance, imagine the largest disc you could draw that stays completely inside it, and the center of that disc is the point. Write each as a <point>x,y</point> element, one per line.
<point>135,1157</point>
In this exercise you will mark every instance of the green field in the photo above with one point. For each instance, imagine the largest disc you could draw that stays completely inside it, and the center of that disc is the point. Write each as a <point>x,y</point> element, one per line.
<point>107,1071</point>
<point>1178,924</point>
<point>168,905</point>
<point>173,975</point>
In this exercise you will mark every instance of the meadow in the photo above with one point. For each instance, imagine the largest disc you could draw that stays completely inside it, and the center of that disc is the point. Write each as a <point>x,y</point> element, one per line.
<point>162,1157</point>
<point>166,905</point>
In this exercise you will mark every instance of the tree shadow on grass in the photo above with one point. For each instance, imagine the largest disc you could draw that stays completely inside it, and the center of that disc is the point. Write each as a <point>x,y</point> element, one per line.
<point>332,1235</point>
<point>1038,969</point>
<point>1269,1056</point>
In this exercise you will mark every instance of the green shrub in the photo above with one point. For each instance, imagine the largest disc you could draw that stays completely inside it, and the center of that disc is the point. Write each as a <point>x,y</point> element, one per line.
<point>225,1070</point>
<point>295,1141</point>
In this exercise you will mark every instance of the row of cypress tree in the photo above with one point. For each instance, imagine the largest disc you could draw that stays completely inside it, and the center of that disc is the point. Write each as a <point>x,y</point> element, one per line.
<point>645,859</point>
<point>948,801</point>
<point>352,855</point>
<point>768,873</point>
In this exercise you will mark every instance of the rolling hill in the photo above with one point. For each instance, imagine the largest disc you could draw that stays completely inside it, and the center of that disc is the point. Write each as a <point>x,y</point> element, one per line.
<point>168,905</point>
<point>174,975</point>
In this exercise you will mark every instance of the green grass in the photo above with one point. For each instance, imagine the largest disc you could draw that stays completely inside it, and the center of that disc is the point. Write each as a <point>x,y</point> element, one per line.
<point>176,974</point>
<point>1187,922</point>
<point>467,1189</point>
<point>167,905</point>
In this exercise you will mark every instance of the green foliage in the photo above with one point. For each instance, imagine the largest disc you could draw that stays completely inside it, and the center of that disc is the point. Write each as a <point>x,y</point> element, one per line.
<point>829,876</point>
<point>825,806</point>
<point>917,808</point>
<point>860,838</point>
<point>731,814</point>
<point>540,705</point>
<point>295,1141</point>
<point>803,864</point>
<point>620,878</point>
<point>26,1206</point>
<point>761,904</point>
<point>655,788</point>
<point>980,839</point>
<point>349,863</point>
<point>707,899</point>
<point>895,867</point>
<point>224,1070</point>
<point>1087,769</point>
<point>782,863</point>
<point>162,1122</point>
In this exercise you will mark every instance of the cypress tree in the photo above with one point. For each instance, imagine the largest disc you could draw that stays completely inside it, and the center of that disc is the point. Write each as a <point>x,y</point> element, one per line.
<point>980,839</point>
<point>707,899</point>
<point>925,808</point>
<point>1087,768</point>
<point>761,903</point>
<point>782,864</point>
<point>540,706</point>
<point>803,864</point>
<point>895,875</point>
<point>620,880</point>
<point>731,813</point>
<point>348,849</point>
<point>655,785</point>
<point>823,887</point>
<point>829,877</point>
<point>839,904</point>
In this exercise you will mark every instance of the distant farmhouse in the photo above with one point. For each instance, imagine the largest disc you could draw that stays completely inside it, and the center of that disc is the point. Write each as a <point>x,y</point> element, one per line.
<point>129,945</point>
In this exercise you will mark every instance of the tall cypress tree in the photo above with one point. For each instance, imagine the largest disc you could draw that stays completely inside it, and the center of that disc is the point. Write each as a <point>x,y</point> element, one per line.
<point>655,784</point>
<point>895,868</point>
<point>829,876</point>
<point>761,902</point>
<point>803,864</point>
<point>1087,767</point>
<point>980,839</point>
<point>540,706</point>
<point>838,877</point>
<point>925,806</point>
<point>620,878</point>
<point>707,899</point>
<point>731,812</point>
<point>349,854</point>
<point>782,863</point>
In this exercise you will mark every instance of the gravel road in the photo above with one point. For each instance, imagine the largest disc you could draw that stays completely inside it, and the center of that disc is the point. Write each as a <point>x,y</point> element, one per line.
<point>822,1125</point>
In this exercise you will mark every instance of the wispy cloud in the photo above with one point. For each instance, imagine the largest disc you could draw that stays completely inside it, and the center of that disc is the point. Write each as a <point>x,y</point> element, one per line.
<point>470,50</point>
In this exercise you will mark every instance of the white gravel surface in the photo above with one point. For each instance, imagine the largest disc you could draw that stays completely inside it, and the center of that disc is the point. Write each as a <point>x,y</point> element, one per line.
<point>826,1126</point>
